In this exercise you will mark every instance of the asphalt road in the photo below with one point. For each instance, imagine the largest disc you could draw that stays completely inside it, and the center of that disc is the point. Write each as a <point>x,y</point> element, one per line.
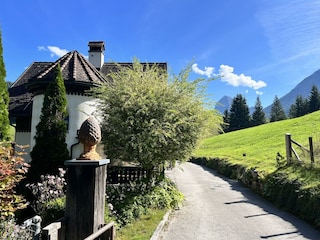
<point>219,208</point>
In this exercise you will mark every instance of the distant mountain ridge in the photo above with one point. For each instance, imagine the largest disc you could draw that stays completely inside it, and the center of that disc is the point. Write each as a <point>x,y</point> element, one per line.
<point>303,88</point>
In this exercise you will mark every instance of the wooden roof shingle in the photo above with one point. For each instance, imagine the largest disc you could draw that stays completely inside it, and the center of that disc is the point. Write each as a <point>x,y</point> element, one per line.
<point>77,72</point>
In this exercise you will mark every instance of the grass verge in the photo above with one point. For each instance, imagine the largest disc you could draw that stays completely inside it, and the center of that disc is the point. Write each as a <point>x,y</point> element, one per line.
<point>142,228</point>
<point>258,147</point>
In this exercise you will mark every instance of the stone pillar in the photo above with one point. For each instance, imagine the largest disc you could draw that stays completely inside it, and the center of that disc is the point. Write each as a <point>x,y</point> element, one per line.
<point>85,201</point>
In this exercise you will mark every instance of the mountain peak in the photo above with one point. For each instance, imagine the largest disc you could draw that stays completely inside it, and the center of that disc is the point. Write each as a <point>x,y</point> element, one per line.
<point>223,104</point>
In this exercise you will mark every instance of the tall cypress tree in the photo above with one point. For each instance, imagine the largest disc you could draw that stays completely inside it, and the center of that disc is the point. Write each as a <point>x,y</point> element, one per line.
<point>4,99</point>
<point>277,113</point>
<point>258,116</point>
<point>50,150</point>
<point>239,114</point>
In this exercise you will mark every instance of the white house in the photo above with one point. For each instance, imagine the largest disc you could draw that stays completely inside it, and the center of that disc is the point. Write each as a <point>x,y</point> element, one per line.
<point>79,75</point>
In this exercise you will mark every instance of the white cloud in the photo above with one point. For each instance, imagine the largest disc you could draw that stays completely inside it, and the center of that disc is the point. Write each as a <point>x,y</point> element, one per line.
<point>41,48</point>
<point>227,75</point>
<point>208,71</point>
<point>55,51</point>
<point>259,93</point>
<point>235,80</point>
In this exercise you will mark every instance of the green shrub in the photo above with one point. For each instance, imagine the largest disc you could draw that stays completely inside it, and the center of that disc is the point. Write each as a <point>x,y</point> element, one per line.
<point>128,202</point>
<point>308,205</point>
<point>151,117</point>
<point>49,188</point>
<point>290,194</point>
<point>280,190</point>
<point>48,197</point>
<point>54,210</point>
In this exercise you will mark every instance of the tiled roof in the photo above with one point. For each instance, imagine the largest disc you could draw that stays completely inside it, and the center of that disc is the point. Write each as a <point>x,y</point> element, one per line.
<point>78,75</point>
<point>20,97</point>
<point>107,68</point>
<point>76,71</point>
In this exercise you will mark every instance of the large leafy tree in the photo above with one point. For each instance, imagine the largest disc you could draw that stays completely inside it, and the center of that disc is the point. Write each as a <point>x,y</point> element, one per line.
<point>4,99</point>
<point>314,99</point>
<point>151,118</point>
<point>239,114</point>
<point>258,116</point>
<point>50,150</point>
<point>277,113</point>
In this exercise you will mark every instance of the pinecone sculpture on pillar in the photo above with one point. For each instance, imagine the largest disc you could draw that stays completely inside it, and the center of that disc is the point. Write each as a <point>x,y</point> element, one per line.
<point>89,136</point>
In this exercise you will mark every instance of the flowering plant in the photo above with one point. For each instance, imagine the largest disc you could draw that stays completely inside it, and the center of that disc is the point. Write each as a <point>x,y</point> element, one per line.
<point>48,189</point>
<point>12,171</point>
<point>10,230</point>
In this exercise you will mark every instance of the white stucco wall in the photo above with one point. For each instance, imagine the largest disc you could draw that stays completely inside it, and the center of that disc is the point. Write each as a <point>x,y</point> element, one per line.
<point>96,59</point>
<point>79,109</point>
<point>36,112</point>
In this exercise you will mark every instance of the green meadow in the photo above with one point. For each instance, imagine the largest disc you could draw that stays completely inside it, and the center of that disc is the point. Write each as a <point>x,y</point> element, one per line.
<point>257,147</point>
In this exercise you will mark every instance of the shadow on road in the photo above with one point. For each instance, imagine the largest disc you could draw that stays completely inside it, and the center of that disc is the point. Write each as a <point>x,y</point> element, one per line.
<point>303,228</point>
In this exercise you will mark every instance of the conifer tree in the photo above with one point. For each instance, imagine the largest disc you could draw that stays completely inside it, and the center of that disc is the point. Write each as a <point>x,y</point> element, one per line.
<point>4,99</point>
<point>277,113</point>
<point>50,150</point>
<point>258,116</point>
<point>299,108</point>
<point>226,121</point>
<point>314,99</point>
<point>239,114</point>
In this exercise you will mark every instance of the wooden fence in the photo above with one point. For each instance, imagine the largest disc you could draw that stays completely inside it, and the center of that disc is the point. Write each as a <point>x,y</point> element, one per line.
<point>290,149</point>
<point>125,174</point>
<point>55,231</point>
<point>105,233</point>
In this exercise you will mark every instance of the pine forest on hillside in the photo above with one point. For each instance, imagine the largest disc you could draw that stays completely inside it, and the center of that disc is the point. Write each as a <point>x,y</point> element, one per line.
<point>238,117</point>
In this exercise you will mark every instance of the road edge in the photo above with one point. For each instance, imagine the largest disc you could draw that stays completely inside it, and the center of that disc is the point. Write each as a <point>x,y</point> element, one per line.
<point>156,233</point>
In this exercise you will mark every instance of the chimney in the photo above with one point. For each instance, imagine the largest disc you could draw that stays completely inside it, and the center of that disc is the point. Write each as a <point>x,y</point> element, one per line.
<point>96,53</point>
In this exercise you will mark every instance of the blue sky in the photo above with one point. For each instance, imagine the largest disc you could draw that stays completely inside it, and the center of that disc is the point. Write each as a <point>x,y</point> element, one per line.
<point>261,47</point>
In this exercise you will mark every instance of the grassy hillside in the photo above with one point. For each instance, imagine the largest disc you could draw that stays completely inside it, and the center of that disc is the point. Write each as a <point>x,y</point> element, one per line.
<point>295,187</point>
<point>258,146</point>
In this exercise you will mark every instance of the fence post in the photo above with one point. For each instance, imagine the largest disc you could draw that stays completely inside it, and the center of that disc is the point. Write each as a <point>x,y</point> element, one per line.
<point>85,197</point>
<point>34,224</point>
<point>311,150</point>
<point>288,148</point>
<point>52,231</point>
